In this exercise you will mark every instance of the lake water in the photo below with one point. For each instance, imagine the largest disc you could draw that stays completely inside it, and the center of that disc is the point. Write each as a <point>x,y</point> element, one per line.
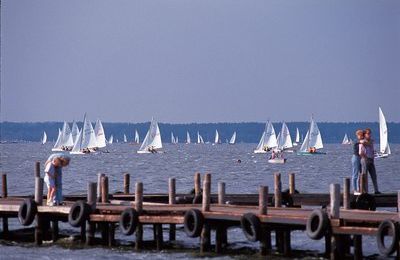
<point>313,174</point>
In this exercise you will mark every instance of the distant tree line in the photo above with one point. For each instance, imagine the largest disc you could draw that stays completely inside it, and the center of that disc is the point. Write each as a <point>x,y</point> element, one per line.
<point>246,132</point>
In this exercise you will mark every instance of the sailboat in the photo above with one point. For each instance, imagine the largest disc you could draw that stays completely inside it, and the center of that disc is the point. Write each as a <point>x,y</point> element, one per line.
<point>217,138</point>
<point>65,141</point>
<point>125,139</point>
<point>86,140</point>
<point>111,139</point>
<point>74,131</point>
<point>173,141</point>
<point>284,139</point>
<point>233,138</point>
<point>268,139</point>
<point>384,148</point>
<point>199,138</point>
<point>313,140</point>
<point>297,139</point>
<point>346,140</point>
<point>57,145</point>
<point>137,139</point>
<point>44,138</point>
<point>152,142</point>
<point>188,140</point>
<point>100,135</point>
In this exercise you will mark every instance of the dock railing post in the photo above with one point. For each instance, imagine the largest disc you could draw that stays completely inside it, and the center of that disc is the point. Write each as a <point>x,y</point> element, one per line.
<point>171,201</point>
<point>139,208</point>
<point>104,189</point>
<point>126,183</point>
<point>346,193</point>
<point>336,250</point>
<point>197,188</point>
<point>221,193</point>
<point>265,240</point>
<point>91,200</point>
<point>37,169</point>
<point>292,184</point>
<point>4,194</point>
<point>205,239</point>
<point>39,225</point>
<point>221,230</point>
<point>278,203</point>
<point>99,177</point>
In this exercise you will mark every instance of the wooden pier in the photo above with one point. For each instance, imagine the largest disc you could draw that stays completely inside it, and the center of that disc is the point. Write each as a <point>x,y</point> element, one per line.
<point>338,217</point>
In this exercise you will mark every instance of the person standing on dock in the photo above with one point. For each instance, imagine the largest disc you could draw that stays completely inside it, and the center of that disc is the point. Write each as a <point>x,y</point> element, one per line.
<point>367,154</point>
<point>64,161</point>
<point>356,163</point>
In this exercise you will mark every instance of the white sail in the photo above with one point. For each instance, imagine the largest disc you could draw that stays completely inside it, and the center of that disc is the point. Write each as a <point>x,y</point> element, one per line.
<point>57,145</point>
<point>217,139</point>
<point>313,138</point>
<point>188,140</point>
<point>88,137</point>
<point>111,139</point>
<point>66,136</point>
<point>137,139</point>
<point>233,138</point>
<point>77,149</point>
<point>268,139</point>
<point>384,147</point>
<point>297,135</point>
<point>152,139</point>
<point>44,139</point>
<point>100,135</point>
<point>172,138</point>
<point>125,139</point>
<point>345,139</point>
<point>199,139</point>
<point>284,140</point>
<point>74,131</point>
<point>176,140</point>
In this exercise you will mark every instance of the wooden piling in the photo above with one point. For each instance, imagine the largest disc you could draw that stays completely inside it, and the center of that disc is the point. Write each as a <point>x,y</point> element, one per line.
<point>37,169</point>
<point>171,201</point>
<point>39,220</point>
<point>287,250</point>
<point>346,193</point>
<point>197,184</point>
<point>219,239</point>
<point>292,184</point>
<point>99,177</point>
<point>263,200</point>
<point>221,193</point>
<point>159,236</point>
<point>54,230</point>
<point>357,243</point>
<point>91,200</point>
<point>277,190</point>
<point>111,234</point>
<point>336,252</point>
<point>4,194</point>
<point>205,238</point>
<point>126,183</point>
<point>104,189</point>
<point>206,192</point>
<point>265,240</point>
<point>139,208</point>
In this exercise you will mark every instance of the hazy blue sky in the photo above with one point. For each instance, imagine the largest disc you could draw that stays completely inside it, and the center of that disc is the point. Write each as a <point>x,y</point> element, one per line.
<point>200,61</point>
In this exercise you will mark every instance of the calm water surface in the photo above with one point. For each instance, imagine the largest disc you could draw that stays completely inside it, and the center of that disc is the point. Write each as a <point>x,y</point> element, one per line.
<point>313,174</point>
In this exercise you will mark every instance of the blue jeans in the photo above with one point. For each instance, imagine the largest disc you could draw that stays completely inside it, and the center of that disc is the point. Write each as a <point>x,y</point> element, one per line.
<point>59,197</point>
<point>356,164</point>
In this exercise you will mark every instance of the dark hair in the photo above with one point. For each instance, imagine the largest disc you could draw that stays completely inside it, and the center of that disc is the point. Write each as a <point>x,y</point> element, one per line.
<point>367,130</point>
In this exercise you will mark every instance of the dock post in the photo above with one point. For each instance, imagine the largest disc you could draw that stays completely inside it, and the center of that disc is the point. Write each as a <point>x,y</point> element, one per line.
<point>265,240</point>
<point>4,194</point>
<point>171,201</point>
<point>104,189</point>
<point>292,184</point>
<point>139,208</point>
<point>336,252</point>
<point>37,169</point>
<point>197,188</point>
<point>278,204</point>
<point>357,243</point>
<point>346,193</point>
<point>99,177</point>
<point>221,193</point>
<point>91,200</point>
<point>205,239</point>
<point>159,236</point>
<point>111,234</point>
<point>39,221</point>
<point>220,231</point>
<point>126,183</point>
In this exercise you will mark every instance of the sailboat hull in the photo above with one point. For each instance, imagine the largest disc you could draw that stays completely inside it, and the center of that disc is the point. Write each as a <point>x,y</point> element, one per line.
<point>147,152</point>
<point>57,150</point>
<point>256,151</point>
<point>277,161</point>
<point>381,155</point>
<point>307,153</point>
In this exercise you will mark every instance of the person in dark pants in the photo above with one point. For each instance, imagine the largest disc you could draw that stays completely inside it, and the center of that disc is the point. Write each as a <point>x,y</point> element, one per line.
<point>356,163</point>
<point>367,154</point>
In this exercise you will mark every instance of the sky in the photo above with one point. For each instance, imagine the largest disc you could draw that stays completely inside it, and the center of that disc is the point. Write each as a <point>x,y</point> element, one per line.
<point>200,60</point>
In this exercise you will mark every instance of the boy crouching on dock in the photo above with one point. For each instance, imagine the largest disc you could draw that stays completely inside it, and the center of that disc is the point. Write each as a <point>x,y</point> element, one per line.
<point>50,179</point>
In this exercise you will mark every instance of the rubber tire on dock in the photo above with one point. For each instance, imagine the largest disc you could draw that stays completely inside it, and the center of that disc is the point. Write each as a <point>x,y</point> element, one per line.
<point>317,224</point>
<point>365,201</point>
<point>128,221</point>
<point>387,226</point>
<point>78,213</point>
<point>251,227</point>
<point>193,222</point>
<point>27,212</point>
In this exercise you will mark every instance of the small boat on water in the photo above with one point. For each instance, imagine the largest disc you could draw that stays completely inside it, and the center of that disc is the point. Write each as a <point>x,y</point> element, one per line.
<point>111,139</point>
<point>346,140</point>
<point>268,139</point>
<point>100,135</point>
<point>172,138</point>
<point>86,141</point>
<point>384,148</point>
<point>217,139</point>
<point>284,139</point>
<point>199,138</point>
<point>137,138</point>
<point>313,141</point>
<point>297,139</point>
<point>152,142</point>
<point>277,160</point>
<point>64,140</point>
<point>188,139</point>
<point>233,138</point>
<point>44,138</point>
<point>125,139</point>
